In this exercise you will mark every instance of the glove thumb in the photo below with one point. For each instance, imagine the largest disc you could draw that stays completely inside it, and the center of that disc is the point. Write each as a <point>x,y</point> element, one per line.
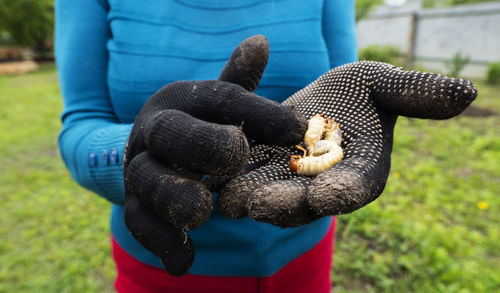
<point>247,63</point>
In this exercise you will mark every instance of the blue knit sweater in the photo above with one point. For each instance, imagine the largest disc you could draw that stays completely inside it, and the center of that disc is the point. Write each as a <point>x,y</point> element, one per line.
<point>113,55</point>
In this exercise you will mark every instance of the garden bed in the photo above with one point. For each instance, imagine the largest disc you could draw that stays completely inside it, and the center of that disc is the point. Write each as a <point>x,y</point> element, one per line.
<point>17,67</point>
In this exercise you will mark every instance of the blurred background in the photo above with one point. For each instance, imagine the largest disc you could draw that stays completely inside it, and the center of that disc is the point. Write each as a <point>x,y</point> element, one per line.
<point>435,228</point>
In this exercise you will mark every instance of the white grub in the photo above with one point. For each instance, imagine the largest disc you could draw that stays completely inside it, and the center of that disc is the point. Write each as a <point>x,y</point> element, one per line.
<point>322,147</point>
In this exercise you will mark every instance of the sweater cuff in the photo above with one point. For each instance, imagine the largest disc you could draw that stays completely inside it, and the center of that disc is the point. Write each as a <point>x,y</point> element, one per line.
<point>105,161</point>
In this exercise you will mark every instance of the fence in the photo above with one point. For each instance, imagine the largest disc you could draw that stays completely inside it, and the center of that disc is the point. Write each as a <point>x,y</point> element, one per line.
<point>432,37</point>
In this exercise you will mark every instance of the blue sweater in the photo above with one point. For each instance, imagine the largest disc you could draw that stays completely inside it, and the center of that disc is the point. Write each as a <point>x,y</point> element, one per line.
<point>113,55</point>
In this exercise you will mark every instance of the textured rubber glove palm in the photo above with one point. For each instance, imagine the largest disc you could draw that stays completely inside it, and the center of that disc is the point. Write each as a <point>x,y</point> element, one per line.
<point>192,128</point>
<point>365,98</point>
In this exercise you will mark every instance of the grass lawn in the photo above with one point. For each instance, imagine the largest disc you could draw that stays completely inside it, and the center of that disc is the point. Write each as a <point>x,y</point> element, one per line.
<point>434,229</point>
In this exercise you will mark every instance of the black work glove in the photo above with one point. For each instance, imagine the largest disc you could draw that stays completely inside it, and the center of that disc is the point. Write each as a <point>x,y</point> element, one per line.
<point>365,98</point>
<point>191,128</point>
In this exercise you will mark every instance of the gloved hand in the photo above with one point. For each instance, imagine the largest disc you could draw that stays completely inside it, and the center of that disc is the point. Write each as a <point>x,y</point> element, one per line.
<point>191,128</point>
<point>365,98</point>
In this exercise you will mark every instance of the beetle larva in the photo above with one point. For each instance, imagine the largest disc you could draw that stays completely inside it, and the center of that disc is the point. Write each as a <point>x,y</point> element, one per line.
<point>322,147</point>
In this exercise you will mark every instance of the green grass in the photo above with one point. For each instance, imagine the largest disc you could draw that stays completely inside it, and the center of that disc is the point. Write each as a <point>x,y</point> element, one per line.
<point>425,233</point>
<point>54,234</point>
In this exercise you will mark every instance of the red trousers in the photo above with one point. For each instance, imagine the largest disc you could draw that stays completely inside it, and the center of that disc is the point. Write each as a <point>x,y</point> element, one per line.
<point>308,273</point>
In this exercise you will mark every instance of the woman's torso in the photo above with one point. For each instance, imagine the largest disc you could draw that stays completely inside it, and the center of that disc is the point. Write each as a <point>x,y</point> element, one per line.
<point>156,42</point>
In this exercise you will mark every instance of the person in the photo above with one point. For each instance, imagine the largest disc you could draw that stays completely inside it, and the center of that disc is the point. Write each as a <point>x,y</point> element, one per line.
<point>155,119</point>
<point>112,56</point>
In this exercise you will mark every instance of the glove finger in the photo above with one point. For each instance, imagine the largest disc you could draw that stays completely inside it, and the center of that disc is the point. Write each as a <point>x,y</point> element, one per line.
<point>355,181</point>
<point>173,246</point>
<point>247,63</point>
<point>272,193</point>
<point>221,102</point>
<point>187,142</point>
<point>417,94</point>
<point>184,202</point>
<point>232,200</point>
<point>282,203</point>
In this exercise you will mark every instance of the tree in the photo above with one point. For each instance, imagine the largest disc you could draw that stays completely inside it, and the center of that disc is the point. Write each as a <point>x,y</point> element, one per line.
<point>364,7</point>
<point>29,23</point>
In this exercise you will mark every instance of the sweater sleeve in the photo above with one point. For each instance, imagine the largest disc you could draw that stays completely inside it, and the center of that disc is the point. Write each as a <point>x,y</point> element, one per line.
<point>339,31</point>
<point>92,139</point>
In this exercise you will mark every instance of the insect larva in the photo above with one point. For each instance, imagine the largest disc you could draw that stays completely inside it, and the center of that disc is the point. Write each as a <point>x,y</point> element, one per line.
<point>313,165</point>
<point>320,147</point>
<point>332,133</point>
<point>322,140</point>
<point>315,128</point>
